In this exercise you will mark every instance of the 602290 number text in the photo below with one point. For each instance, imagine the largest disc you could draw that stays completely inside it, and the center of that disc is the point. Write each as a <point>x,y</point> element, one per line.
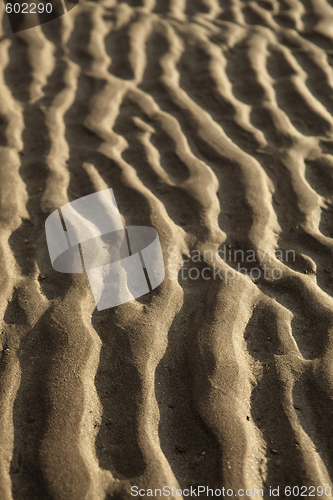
<point>17,8</point>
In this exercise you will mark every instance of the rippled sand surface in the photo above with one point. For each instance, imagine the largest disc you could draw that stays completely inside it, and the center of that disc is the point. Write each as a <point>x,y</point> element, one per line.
<point>211,120</point>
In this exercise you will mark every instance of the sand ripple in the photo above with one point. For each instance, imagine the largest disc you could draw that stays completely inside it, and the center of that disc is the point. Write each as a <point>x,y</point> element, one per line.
<point>212,122</point>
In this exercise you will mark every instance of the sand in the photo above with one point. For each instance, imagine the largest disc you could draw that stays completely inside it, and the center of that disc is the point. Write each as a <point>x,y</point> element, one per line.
<point>211,120</point>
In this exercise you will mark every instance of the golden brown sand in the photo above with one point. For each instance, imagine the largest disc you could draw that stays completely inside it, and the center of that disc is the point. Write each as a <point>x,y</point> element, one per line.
<point>211,121</point>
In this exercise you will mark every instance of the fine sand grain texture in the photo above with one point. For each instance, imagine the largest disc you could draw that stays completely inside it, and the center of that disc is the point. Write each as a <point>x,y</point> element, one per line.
<point>211,120</point>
